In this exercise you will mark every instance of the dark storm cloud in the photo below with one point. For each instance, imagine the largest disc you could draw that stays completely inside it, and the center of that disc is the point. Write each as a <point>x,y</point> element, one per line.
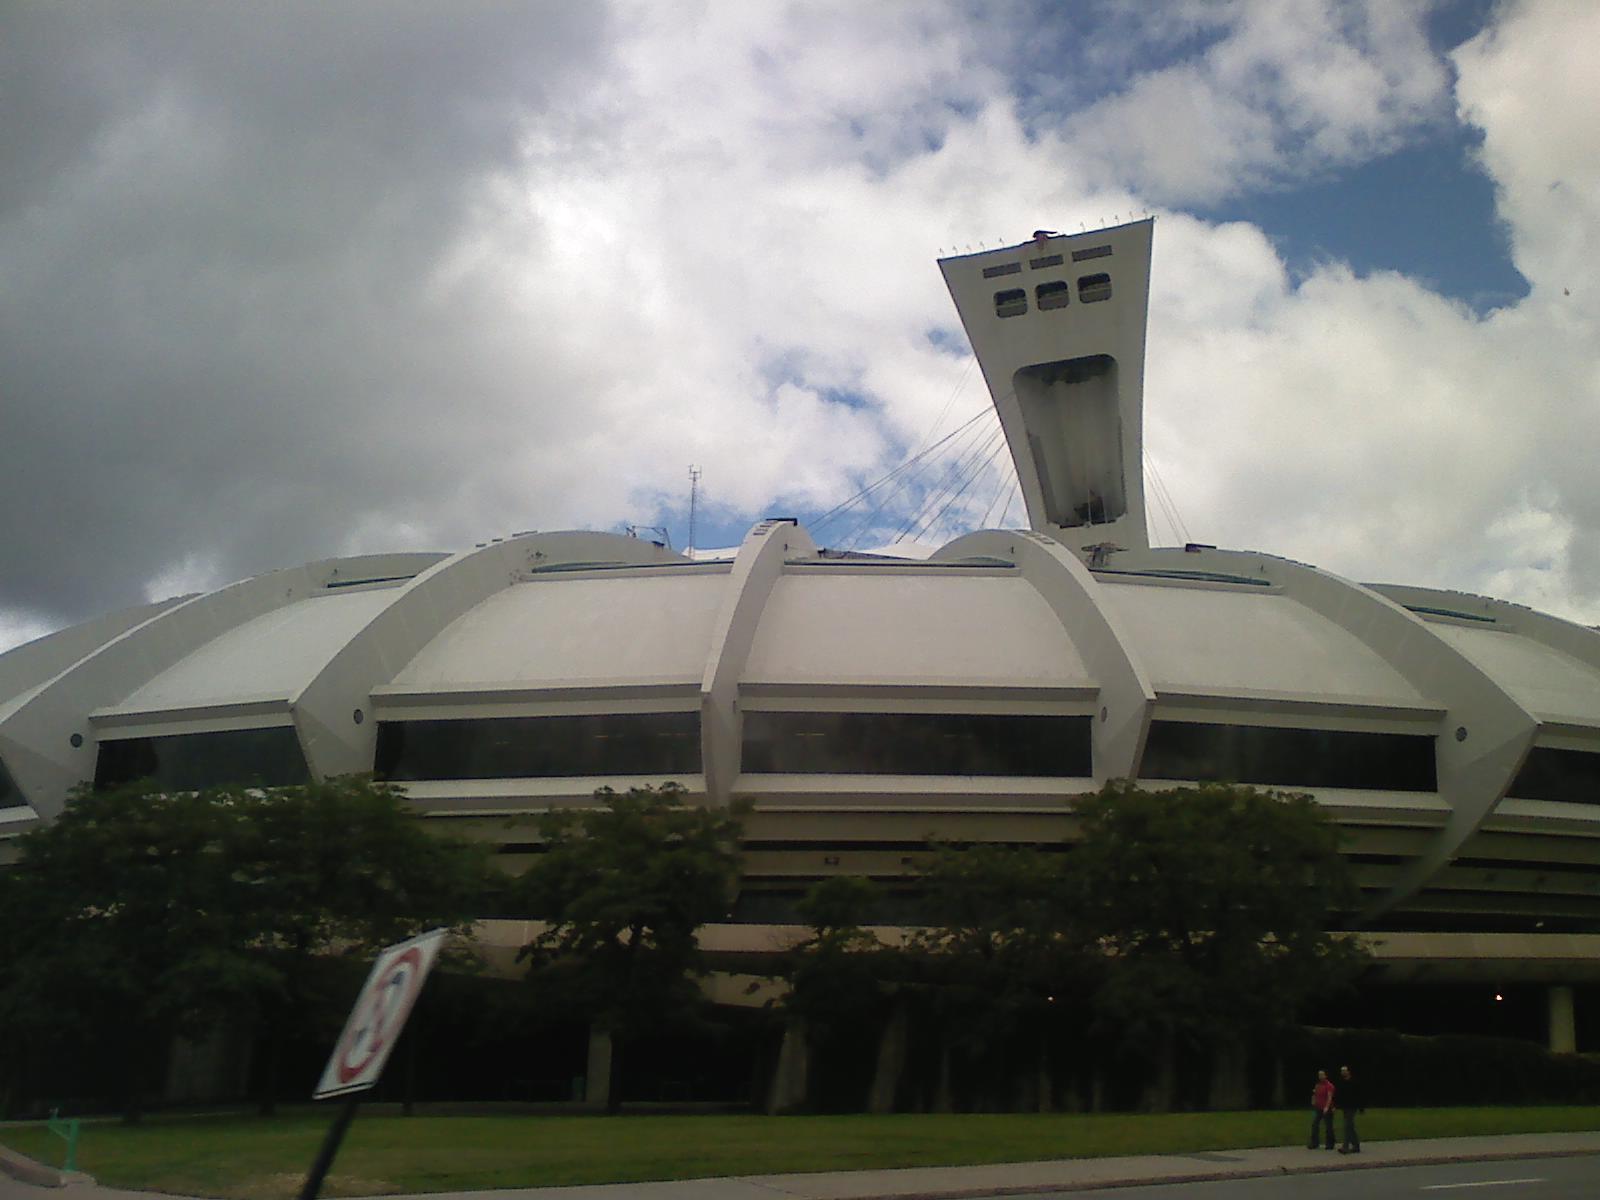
<point>219,228</point>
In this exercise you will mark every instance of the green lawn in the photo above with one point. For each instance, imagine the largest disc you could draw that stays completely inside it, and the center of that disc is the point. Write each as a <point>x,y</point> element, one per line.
<point>254,1158</point>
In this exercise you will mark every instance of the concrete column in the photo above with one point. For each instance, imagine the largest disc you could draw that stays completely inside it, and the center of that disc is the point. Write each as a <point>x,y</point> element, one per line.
<point>891,1061</point>
<point>1563,1021</point>
<point>597,1085</point>
<point>791,1079</point>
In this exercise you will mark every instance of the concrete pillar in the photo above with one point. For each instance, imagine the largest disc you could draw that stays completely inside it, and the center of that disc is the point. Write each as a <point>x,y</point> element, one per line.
<point>791,1079</point>
<point>1563,1020</point>
<point>891,1061</point>
<point>597,1085</point>
<point>1230,1077</point>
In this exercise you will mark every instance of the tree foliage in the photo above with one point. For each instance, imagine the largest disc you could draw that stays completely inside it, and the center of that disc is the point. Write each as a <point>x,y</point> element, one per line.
<point>1211,906</point>
<point>839,975</point>
<point>1002,946</point>
<point>621,890</point>
<point>152,914</point>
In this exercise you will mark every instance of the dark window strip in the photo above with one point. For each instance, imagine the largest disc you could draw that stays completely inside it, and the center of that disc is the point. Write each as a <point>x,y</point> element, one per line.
<point>1091,252</point>
<point>1562,776</point>
<point>1326,758</point>
<point>10,795</point>
<point>916,744</point>
<point>187,762</point>
<point>1011,268</point>
<point>1522,864</point>
<point>540,747</point>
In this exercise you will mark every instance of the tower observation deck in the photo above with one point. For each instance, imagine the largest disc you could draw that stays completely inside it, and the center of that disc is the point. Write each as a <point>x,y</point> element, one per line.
<point>1058,327</point>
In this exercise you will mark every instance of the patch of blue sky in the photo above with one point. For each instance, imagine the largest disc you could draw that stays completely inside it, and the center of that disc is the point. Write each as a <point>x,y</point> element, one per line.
<point>1060,58</point>
<point>849,397</point>
<point>1426,211</point>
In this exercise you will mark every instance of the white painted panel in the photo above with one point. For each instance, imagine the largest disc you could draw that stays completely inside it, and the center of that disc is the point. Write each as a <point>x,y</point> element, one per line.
<point>273,655</point>
<point>911,629</point>
<point>564,632</point>
<point>1553,685</point>
<point>1217,642</point>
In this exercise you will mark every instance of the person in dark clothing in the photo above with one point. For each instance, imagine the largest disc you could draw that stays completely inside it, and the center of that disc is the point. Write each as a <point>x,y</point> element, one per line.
<point>1347,1099</point>
<point>1322,1111</point>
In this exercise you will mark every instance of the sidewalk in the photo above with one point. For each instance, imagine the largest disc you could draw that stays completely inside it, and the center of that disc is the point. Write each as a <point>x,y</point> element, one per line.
<point>937,1183</point>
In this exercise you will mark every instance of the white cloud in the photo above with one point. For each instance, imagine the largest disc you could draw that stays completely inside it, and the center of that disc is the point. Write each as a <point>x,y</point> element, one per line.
<point>1530,83</point>
<point>706,235</point>
<point>1288,89</point>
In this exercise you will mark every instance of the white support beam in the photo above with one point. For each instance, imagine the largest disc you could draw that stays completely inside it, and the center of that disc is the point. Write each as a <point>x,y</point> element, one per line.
<point>756,569</point>
<point>332,712</point>
<point>31,664</point>
<point>47,742</point>
<point>1485,733</point>
<point>1065,584</point>
<point>1567,637</point>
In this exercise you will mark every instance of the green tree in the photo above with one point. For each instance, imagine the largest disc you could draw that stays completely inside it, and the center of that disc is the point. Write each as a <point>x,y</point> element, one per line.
<point>138,915</point>
<point>622,889</point>
<point>117,927</point>
<point>841,976</point>
<point>1003,958</point>
<point>1212,906</point>
<point>336,869</point>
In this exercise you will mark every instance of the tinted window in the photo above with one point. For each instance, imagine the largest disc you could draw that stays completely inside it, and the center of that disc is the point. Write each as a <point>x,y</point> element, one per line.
<point>1566,776</point>
<point>1011,303</point>
<point>1054,294</point>
<point>1390,762</point>
<point>1093,288</point>
<point>10,797</point>
<point>915,744</point>
<point>192,761</point>
<point>538,747</point>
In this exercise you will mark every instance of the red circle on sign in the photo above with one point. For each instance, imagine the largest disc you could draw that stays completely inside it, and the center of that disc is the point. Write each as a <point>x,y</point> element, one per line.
<point>402,973</point>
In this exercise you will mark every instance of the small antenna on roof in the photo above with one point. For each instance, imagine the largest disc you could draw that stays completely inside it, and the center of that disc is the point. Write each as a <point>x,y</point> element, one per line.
<point>694,497</point>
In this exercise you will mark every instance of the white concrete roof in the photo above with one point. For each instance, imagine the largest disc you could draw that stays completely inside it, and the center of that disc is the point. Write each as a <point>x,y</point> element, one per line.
<point>862,625</point>
<point>653,626</point>
<point>1550,684</point>
<point>1249,642</point>
<point>271,656</point>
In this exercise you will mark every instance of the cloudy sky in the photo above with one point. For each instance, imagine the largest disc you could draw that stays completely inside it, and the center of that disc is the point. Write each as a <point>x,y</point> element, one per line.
<point>290,280</point>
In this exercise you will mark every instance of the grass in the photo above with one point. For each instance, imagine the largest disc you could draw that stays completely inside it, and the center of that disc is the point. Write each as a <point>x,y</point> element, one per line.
<point>253,1158</point>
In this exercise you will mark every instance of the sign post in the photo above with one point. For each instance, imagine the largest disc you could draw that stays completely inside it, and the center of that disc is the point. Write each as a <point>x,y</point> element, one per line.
<point>373,1027</point>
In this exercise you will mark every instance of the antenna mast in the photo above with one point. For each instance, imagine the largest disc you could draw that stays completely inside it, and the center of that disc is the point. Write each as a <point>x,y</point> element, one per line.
<point>694,497</point>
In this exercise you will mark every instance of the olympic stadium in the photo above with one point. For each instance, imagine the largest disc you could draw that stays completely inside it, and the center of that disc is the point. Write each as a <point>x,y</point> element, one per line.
<point>864,705</point>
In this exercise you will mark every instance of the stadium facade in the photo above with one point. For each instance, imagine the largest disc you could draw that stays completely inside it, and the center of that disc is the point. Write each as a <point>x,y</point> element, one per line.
<point>865,704</point>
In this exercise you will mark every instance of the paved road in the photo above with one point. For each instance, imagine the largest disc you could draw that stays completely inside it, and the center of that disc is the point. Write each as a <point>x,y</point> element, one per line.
<point>1510,1179</point>
<point>1558,1160</point>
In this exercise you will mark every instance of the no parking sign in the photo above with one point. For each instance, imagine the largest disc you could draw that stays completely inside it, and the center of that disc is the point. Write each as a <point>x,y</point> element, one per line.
<point>379,1014</point>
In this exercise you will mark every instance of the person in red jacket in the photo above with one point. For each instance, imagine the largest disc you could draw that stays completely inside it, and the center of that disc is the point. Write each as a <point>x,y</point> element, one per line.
<point>1322,1111</point>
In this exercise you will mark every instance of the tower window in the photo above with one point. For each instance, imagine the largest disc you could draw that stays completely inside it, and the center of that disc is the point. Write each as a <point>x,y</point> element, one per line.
<point>1012,302</point>
<point>1054,294</point>
<point>1092,288</point>
<point>1091,252</point>
<point>1049,260</point>
<point>1010,268</point>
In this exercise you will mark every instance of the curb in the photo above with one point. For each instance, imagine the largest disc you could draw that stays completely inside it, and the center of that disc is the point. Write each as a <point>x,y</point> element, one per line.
<point>24,1169</point>
<point>1219,1176</point>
